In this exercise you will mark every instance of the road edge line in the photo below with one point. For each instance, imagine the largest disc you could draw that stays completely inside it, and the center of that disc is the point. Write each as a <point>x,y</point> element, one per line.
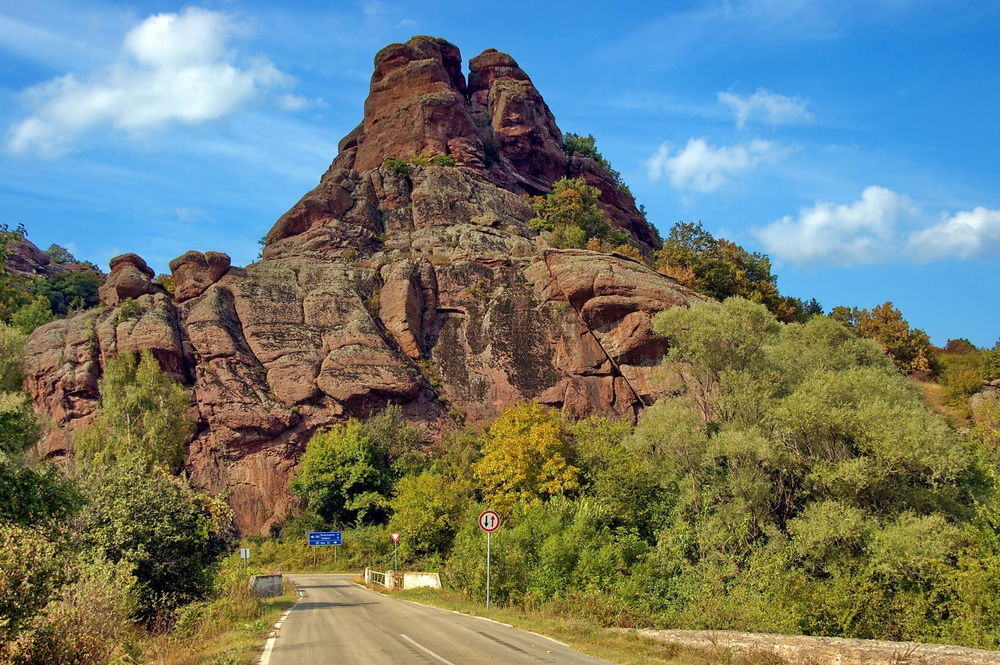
<point>265,655</point>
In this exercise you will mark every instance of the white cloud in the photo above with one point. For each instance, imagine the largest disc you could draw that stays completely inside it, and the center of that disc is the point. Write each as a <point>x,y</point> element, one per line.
<point>766,106</point>
<point>702,167</point>
<point>965,235</point>
<point>859,233</point>
<point>171,68</point>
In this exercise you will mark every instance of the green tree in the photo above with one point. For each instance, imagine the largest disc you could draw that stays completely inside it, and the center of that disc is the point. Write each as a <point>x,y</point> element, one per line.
<point>587,146</point>
<point>36,313</point>
<point>571,213</point>
<point>69,291</point>
<point>989,364</point>
<point>60,255</point>
<point>427,509</point>
<point>32,570</point>
<point>623,480</point>
<point>169,535</point>
<point>721,269</point>
<point>142,409</point>
<point>960,345</point>
<point>13,287</point>
<point>344,475</point>
<point>821,495</point>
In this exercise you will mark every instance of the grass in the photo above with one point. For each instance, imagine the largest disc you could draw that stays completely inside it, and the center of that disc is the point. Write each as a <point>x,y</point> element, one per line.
<point>614,645</point>
<point>229,630</point>
<point>934,397</point>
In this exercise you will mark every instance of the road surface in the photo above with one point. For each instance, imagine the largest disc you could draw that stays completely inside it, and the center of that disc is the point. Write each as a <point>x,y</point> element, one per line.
<point>339,622</point>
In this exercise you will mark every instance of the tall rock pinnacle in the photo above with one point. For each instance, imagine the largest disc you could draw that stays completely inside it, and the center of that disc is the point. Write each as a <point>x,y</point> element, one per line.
<point>421,286</point>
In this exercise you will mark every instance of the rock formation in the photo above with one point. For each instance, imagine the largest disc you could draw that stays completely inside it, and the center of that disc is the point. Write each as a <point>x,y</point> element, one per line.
<point>427,289</point>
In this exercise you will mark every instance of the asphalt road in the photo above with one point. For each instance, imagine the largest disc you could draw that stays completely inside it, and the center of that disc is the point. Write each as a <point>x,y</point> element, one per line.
<point>339,622</point>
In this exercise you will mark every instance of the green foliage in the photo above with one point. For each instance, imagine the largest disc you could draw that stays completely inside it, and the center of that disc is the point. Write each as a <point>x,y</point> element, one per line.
<point>345,475</point>
<point>400,167</point>
<point>959,346</point>
<point>721,269</point>
<point>142,411</point>
<point>570,212</point>
<point>32,570</point>
<point>60,255</point>
<point>426,509</point>
<point>544,551</point>
<point>989,364</point>
<point>167,534</point>
<point>813,490</point>
<point>622,479</point>
<point>12,343</point>
<point>36,313</point>
<point>166,281</point>
<point>88,623</point>
<point>29,496</point>
<point>126,310</point>
<point>69,291</point>
<point>13,287</point>
<point>960,385</point>
<point>587,146</point>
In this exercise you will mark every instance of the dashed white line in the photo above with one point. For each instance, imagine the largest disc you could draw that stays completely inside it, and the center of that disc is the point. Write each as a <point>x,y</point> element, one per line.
<point>426,650</point>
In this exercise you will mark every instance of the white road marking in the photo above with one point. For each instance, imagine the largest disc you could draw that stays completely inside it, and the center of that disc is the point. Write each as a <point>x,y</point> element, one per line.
<point>425,649</point>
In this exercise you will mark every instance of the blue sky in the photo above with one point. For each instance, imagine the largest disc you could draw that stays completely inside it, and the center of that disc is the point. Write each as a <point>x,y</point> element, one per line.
<point>856,143</point>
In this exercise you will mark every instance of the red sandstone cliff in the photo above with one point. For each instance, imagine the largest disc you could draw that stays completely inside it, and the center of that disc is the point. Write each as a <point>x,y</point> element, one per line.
<point>371,279</point>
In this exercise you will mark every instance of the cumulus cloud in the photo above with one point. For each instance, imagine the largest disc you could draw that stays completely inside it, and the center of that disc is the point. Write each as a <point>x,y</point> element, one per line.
<point>172,68</point>
<point>702,167</point>
<point>766,106</point>
<point>859,233</point>
<point>965,235</point>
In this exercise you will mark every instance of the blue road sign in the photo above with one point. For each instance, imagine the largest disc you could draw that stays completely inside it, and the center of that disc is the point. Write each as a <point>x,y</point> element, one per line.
<point>325,538</point>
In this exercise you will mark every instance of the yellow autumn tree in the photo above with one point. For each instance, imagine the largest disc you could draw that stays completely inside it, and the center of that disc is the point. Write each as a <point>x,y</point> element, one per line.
<point>526,457</point>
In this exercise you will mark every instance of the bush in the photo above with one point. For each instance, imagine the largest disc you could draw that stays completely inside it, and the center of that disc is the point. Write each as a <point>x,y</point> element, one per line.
<point>400,167</point>
<point>989,365</point>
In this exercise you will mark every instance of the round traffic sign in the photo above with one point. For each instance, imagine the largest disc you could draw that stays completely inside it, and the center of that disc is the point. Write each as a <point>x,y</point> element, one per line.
<point>394,536</point>
<point>489,521</point>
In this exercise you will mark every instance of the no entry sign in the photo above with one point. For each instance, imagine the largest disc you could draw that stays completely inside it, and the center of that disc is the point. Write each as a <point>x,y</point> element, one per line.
<point>489,521</point>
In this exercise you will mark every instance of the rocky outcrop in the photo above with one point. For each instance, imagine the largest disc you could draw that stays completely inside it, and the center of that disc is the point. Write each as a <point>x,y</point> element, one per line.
<point>25,258</point>
<point>427,289</point>
<point>130,278</point>
<point>194,272</point>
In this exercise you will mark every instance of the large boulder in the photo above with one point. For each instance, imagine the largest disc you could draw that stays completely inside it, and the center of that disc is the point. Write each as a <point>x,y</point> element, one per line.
<point>194,272</point>
<point>130,278</point>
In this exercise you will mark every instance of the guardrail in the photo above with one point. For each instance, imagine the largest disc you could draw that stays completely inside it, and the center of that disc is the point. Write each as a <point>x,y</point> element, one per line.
<point>372,577</point>
<point>394,580</point>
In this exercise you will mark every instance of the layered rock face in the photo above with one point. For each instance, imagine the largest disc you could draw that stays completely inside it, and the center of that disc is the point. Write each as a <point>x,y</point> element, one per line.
<point>428,290</point>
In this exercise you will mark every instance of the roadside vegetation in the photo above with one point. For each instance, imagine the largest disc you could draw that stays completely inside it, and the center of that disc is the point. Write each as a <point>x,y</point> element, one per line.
<point>792,480</point>
<point>116,558</point>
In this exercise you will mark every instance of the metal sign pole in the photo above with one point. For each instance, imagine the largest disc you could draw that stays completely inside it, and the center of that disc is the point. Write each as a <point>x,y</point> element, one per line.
<point>395,556</point>
<point>489,537</point>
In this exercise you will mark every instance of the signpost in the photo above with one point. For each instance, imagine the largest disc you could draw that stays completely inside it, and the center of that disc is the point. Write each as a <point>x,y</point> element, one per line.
<point>244,553</point>
<point>395,546</point>
<point>325,539</point>
<point>489,521</point>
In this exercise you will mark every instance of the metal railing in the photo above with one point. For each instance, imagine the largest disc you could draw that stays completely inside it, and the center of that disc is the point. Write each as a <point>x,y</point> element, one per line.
<point>373,577</point>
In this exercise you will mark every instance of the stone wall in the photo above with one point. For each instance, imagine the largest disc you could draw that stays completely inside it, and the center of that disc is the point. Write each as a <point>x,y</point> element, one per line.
<point>803,650</point>
<point>266,586</point>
